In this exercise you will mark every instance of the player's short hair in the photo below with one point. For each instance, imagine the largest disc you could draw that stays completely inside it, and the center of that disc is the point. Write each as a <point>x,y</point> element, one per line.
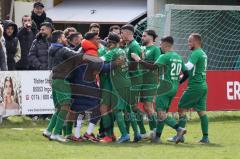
<point>94,25</point>
<point>56,35</point>
<point>128,27</point>
<point>48,25</point>
<point>90,35</point>
<point>114,27</point>
<point>168,39</point>
<point>113,37</point>
<point>68,30</point>
<point>197,37</point>
<point>73,35</point>
<point>151,33</point>
<point>26,15</point>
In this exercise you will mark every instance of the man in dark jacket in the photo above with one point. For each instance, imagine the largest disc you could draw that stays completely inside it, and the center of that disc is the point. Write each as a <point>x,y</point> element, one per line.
<point>12,44</point>
<point>38,54</point>
<point>61,63</point>
<point>39,15</point>
<point>26,35</point>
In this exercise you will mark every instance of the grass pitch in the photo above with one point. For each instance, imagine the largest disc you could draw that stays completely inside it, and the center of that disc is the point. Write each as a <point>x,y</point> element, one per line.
<point>20,138</point>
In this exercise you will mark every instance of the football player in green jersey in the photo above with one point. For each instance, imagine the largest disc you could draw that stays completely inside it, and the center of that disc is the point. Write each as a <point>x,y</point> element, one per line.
<point>150,79</point>
<point>172,64</point>
<point>132,46</point>
<point>120,86</point>
<point>196,93</point>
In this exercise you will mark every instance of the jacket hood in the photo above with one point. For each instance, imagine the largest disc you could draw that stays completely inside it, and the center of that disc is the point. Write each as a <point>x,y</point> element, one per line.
<point>89,48</point>
<point>8,23</point>
<point>54,48</point>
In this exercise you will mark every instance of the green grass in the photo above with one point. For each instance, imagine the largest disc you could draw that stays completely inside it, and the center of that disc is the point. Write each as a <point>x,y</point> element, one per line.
<point>26,142</point>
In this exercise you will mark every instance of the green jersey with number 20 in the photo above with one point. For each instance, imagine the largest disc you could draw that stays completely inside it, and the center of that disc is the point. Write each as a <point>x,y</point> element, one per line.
<point>197,75</point>
<point>173,66</point>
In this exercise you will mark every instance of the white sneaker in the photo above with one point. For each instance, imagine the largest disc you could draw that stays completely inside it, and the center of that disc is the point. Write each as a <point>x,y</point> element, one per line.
<point>152,134</point>
<point>58,138</point>
<point>46,134</point>
<point>145,136</point>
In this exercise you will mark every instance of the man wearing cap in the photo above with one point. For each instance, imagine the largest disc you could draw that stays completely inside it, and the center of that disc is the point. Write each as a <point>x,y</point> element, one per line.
<point>39,15</point>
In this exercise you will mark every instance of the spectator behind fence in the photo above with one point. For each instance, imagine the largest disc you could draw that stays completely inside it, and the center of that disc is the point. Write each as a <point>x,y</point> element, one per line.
<point>38,54</point>
<point>39,15</point>
<point>3,56</point>
<point>12,44</point>
<point>26,35</point>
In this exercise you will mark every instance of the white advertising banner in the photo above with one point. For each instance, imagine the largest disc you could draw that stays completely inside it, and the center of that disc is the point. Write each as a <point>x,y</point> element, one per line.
<point>25,92</point>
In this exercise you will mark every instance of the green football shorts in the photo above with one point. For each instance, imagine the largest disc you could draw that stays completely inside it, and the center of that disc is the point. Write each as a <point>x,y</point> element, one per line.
<point>61,92</point>
<point>194,97</point>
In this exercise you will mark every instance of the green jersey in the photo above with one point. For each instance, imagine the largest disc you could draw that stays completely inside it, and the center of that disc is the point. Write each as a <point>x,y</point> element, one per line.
<point>173,66</point>
<point>133,47</point>
<point>119,76</point>
<point>151,54</point>
<point>197,75</point>
<point>102,50</point>
<point>104,77</point>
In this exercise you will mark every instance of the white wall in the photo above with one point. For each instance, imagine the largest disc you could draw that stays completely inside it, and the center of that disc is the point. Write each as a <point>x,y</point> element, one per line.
<point>20,9</point>
<point>48,4</point>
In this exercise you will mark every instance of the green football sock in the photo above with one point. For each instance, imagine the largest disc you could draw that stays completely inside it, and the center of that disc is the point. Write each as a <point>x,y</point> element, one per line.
<point>127,121</point>
<point>152,121</point>
<point>170,122</point>
<point>160,126</point>
<point>121,123</point>
<point>60,121</point>
<point>107,123</point>
<point>101,128</point>
<point>134,123</point>
<point>204,125</point>
<point>140,122</point>
<point>182,121</point>
<point>69,128</point>
<point>112,123</point>
<point>52,122</point>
